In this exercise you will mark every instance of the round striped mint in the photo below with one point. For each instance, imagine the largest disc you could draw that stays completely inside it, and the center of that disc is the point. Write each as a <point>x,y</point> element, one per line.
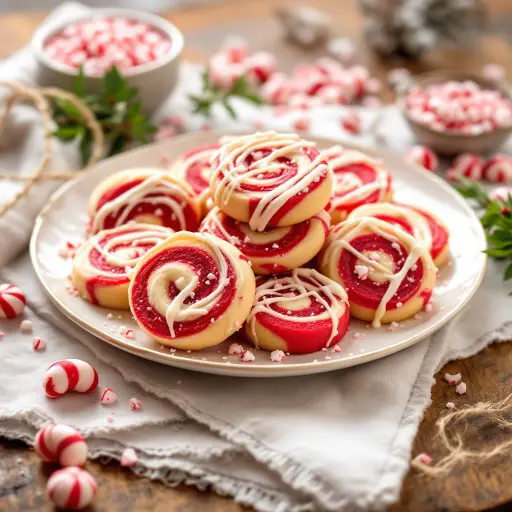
<point>468,165</point>
<point>12,301</point>
<point>61,443</point>
<point>70,375</point>
<point>423,156</point>
<point>71,488</point>
<point>498,169</point>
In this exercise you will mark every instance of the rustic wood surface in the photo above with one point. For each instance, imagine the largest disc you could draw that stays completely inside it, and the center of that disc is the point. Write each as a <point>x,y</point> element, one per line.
<point>488,374</point>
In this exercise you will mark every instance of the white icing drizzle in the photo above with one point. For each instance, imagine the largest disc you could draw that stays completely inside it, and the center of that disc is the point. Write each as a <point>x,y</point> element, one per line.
<point>169,193</point>
<point>214,220</point>
<point>230,175</point>
<point>176,310</point>
<point>341,237</point>
<point>309,284</point>
<point>348,187</point>
<point>115,252</point>
<point>419,224</point>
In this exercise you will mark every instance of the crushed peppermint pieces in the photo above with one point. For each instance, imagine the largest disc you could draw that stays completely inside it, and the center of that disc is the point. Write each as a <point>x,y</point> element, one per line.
<point>26,326</point>
<point>277,356</point>
<point>110,316</point>
<point>39,344</point>
<point>130,334</point>
<point>129,458</point>
<point>452,379</point>
<point>2,335</point>
<point>247,357</point>
<point>235,349</point>
<point>135,404</point>
<point>393,326</point>
<point>423,458</point>
<point>461,388</point>
<point>361,271</point>
<point>428,308</point>
<point>450,405</point>
<point>336,348</point>
<point>108,396</point>
<point>122,329</point>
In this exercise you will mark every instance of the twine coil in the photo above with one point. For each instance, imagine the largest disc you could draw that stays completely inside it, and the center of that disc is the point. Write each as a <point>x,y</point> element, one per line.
<point>38,98</point>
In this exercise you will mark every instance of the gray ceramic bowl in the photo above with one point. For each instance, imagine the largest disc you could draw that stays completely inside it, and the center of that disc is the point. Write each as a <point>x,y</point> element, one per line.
<point>449,144</point>
<point>155,80</point>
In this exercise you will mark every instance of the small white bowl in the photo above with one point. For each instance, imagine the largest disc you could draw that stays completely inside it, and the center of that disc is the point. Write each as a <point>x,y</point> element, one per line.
<point>154,80</point>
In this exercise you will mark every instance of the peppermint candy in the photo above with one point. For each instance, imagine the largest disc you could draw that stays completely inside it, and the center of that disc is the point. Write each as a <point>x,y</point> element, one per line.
<point>135,404</point>
<point>468,165</point>
<point>351,121</point>
<point>501,193</point>
<point>129,458</point>
<point>498,169</point>
<point>71,488</point>
<point>421,155</point>
<point>12,301</point>
<point>62,444</point>
<point>70,375</point>
<point>108,396</point>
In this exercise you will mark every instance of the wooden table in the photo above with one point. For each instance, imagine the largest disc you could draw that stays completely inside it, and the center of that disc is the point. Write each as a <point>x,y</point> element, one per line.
<point>488,373</point>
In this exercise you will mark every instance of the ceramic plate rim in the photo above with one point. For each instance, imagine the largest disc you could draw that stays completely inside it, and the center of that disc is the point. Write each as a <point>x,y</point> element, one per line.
<point>254,369</point>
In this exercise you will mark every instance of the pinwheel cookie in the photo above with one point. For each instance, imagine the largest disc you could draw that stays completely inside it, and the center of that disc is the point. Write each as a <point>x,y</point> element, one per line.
<point>299,312</point>
<point>422,225</point>
<point>270,180</point>
<point>274,250</point>
<point>194,167</point>
<point>358,179</point>
<point>143,195</point>
<point>388,274</point>
<point>192,291</point>
<point>103,262</point>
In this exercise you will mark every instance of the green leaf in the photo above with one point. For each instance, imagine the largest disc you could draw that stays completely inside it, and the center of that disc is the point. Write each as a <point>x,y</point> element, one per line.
<point>508,273</point>
<point>85,147</point>
<point>68,109</point>
<point>495,252</point>
<point>79,83</point>
<point>114,83</point>
<point>67,133</point>
<point>118,144</point>
<point>229,108</point>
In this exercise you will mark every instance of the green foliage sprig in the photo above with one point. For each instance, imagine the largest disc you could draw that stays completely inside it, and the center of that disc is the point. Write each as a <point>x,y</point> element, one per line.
<point>117,108</point>
<point>211,94</point>
<point>496,220</point>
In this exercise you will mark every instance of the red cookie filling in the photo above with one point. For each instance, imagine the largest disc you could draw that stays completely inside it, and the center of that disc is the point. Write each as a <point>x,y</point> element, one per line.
<point>367,174</point>
<point>202,264</point>
<point>167,217</point>
<point>194,173</point>
<point>304,337</point>
<point>367,293</point>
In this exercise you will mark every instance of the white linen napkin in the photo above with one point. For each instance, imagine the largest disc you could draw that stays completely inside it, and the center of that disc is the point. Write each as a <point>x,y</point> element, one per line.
<point>335,441</point>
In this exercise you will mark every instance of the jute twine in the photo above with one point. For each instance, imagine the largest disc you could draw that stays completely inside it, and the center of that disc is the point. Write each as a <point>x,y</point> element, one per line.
<point>39,99</point>
<point>453,430</point>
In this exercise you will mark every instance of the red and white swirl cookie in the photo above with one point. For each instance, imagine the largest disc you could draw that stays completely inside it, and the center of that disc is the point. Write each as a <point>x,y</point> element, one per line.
<point>192,291</point>
<point>388,274</point>
<point>422,225</point>
<point>274,250</point>
<point>194,167</point>
<point>144,195</point>
<point>300,312</point>
<point>103,262</point>
<point>358,179</point>
<point>270,179</point>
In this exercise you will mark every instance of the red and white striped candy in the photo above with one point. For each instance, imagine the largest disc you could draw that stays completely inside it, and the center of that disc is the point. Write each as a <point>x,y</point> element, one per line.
<point>351,121</point>
<point>72,488</point>
<point>498,169</point>
<point>70,375</point>
<point>108,396</point>
<point>12,301</point>
<point>261,65</point>
<point>501,193</point>
<point>423,156</point>
<point>62,444</point>
<point>469,165</point>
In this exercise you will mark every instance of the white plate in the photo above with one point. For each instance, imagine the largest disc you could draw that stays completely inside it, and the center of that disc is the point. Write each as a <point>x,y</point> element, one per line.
<point>64,219</point>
